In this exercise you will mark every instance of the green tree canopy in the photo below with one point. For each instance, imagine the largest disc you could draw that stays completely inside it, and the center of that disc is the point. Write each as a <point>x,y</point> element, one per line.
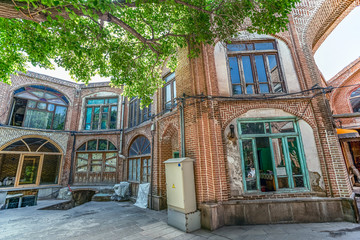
<point>126,40</point>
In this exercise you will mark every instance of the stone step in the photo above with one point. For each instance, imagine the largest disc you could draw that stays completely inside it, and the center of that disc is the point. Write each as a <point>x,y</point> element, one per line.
<point>101,197</point>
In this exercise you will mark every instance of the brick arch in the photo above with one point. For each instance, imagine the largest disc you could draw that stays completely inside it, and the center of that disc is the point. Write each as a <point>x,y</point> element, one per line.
<point>89,138</point>
<point>325,19</point>
<point>295,112</point>
<point>169,130</point>
<point>13,88</point>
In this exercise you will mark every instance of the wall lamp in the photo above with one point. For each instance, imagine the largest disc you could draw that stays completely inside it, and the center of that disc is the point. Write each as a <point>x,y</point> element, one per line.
<point>232,132</point>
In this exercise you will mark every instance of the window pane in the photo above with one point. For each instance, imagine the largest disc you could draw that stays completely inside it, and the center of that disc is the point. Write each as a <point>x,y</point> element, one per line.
<point>51,107</point>
<point>282,127</point>
<point>104,120</point>
<point>130,177</point>
<point>234,70</point>
<point>236,89</point>
<point>113,100</point>
<point>277,88</point>
<point>252,128</point>
<point>144,173</point>
<point>91,145</point>
<point>174,91</point>
<point>168,93</point>
<point>8,170</point>
<point>113,114</point>
<point>138,166</point>
<point>59,118</point>
<point>95,101</point>
<point>39,94</point>
<point>280,163</point>
<point>250,171</point>
<point>264,46</point>
<point>250,89</point>
<point>29,170</point>
<point>250,46</point>
<point>102,145</point>
<point>19,112</point>
<point>274,69</point>
<point>32,104</point>
<point>57,101</point>
<point>50,169</point>
<point>88,115</point>
<point>355,103</point>
<point>49,96</point>
<point>267,180</point>
<point>38,119</point>
<point>264,88</point>
<point>134,170</point>
<point>260,68</point>
<point>41,105</point>
<point>105,109</point>
<point>355,93</point>
<point>236,47</point>
<point>95,168</point>
<point>170,77</point>
<point>248,73</point>
<point>295,161</point>
<point>97,156</point>
<point>95,124</point>
<point>111,146</point>
<point>82,147</point>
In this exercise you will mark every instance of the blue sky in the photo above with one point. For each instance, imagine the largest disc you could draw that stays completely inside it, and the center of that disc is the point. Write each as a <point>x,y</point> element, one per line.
<point>341,47</point>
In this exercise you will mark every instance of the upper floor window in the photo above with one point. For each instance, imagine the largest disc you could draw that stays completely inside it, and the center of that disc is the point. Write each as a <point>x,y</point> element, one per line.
<point>254,68</point>
<point>39,107</point>
<point>169,92</point>
<point>136,114</point>
<point>101,113</point>
<point>355,100</point>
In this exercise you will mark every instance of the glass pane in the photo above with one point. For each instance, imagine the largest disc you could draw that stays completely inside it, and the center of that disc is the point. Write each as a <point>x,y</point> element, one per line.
<point>134,170</point>
<point>29,170</point>
<point>264,46</point>
<point>88,115</point>
<point>38,119</point>
<point>91,145</point>
<point>250,89</point>
<point>83,155</point>
<point>96,117</point>
<point>31,104</point>
<point>82,147</point>
<point>110,155</point>
<point>110,169</point>
<point>168,93</point>
<point>97,156</point>
<point>138,166</point>
<point>264,88</point>
<point>295,162</point>
<point>34,143</point>
<point>113,100</point>
<point>41,105</point>
<point>81,162</point>
<point>170,77</point>
<point>95,168</point>
<point>39,94</point>
<point>113,114</point>
<point>130,170</point>
<point>144,173</point>
<point>111,162</point>
<point>282,127</point>
<point>82,169</point>
<point>248,73</point>
<point>234,70</point>
<point>105,109</point>
<point>9,165</point>
<point>252,128</point>
<point>102,145</point>
<point>57,101</point>
<point>260,68</point>
<point>111,146</point>
<point>18,112</point>
<point>236,89</point>
<point>355,103</point>
<point>355,93</point>
<point>274,69</point>
<point>59,118</point>
<point>236,47</point>
<point>174,91</point>
<point>27,96</point>
<point>51,107</point>
<point>250,46</point>
<point>280,163</point>
<point>48,96</point>
<point>48,147</point>
<point>277,88</point>
<point>104,120</point>
<point>250,171</point>
<point>267,180</point>
<point>18,146</point>
<point>50,169</point>
<point>95,101</point>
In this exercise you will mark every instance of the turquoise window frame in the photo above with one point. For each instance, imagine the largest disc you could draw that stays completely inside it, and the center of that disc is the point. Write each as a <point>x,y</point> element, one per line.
<point>283,137</point>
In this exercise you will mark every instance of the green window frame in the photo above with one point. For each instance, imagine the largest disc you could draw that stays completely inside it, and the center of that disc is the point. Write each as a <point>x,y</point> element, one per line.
<point>287,171</point>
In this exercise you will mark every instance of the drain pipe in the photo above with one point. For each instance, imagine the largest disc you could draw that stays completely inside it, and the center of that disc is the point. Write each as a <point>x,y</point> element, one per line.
<point>72,160</point>
<point>182,128</point>
<point>153,129</point>
<point>121,155</point>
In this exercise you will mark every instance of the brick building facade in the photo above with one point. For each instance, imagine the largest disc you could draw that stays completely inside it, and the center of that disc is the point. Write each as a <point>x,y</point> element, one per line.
<point>263,141</point>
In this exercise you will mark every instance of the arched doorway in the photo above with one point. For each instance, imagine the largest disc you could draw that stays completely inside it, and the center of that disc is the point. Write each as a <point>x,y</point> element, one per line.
<point>96,163</point>
<point>30,161</point>
<point>139,162</point>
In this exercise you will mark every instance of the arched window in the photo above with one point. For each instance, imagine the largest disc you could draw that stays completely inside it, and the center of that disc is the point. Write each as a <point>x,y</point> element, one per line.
<point>39,107</point>
<point>96,162</point>
<point>140,160</point>
<point>30,161</point>
<point>355,100</point>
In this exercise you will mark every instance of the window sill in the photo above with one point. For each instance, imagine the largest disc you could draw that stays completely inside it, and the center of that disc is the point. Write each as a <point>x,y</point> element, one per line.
<point>279,192</point>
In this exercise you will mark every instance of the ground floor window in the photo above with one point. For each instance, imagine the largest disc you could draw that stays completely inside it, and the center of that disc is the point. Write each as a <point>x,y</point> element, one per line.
<point>139,160</point>
<point>272,156</point>
<point>96,162</point>
<point>29,161</point>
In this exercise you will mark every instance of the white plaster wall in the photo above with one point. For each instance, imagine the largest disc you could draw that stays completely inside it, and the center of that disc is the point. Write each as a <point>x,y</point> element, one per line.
<point>308,140</point>
<point>99,94</point>
<point>222,71</point>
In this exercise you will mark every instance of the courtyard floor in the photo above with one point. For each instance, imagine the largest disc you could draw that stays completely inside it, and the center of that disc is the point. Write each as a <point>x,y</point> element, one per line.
<point>114,220</point>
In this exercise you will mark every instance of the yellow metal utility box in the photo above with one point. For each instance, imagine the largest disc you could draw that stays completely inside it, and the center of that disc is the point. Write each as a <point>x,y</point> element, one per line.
<point>180,184</point>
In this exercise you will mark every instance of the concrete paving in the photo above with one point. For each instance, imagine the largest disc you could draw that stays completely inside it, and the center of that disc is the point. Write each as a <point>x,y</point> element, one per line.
<point>114,220</point>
